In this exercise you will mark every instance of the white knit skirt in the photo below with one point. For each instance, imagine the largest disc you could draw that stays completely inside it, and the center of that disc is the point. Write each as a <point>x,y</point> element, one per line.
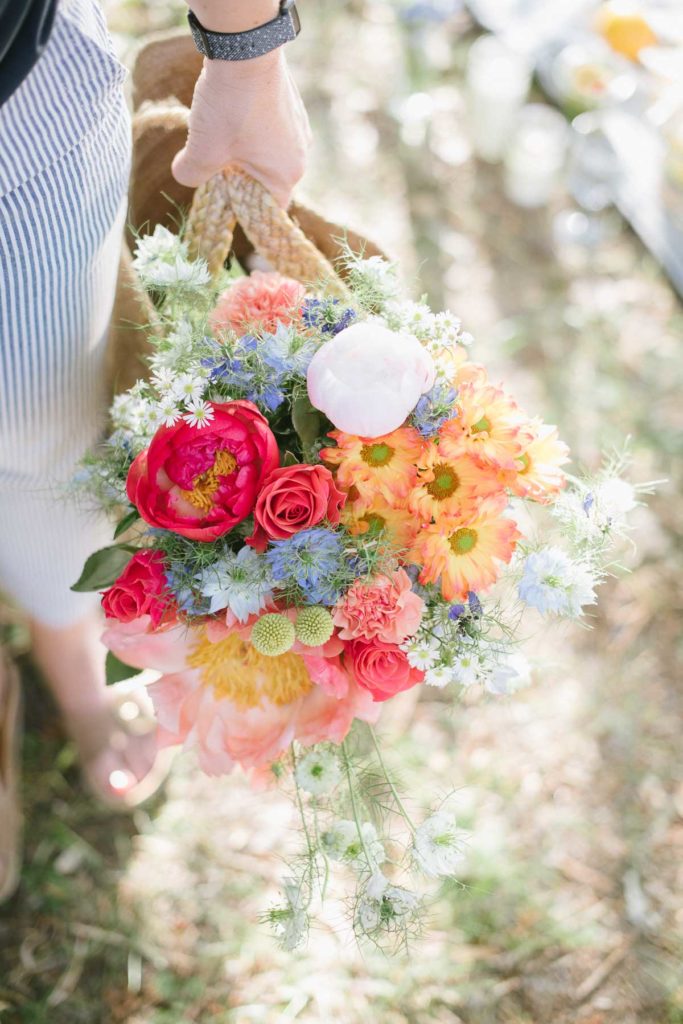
<point>64,166</point>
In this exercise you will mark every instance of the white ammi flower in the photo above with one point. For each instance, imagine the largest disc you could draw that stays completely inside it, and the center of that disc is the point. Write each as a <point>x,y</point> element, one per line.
<point>384,904</point>
<point>438,845</point>
<point>342,842</point>
<point>318,772</point>
<point>240,582</point>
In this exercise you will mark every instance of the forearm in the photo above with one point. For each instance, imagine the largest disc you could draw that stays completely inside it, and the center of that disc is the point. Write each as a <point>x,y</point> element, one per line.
<point>234,15</point>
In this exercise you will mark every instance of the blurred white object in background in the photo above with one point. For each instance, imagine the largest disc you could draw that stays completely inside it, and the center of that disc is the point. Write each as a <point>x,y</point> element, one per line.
<point>535,158</point>
<point>497,85</point>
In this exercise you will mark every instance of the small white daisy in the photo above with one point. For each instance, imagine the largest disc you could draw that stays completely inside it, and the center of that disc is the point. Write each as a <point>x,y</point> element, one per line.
<point>188,387</point>
<point>421,654</point>
<point>164,379</point>
<point>170,411</point>
<point>439,675</point>
<point>199,413</point>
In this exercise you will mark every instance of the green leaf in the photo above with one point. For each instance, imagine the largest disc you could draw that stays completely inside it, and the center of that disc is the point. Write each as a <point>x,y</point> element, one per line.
<point>126,522</point>
<point>103,567</point>
<point>117,671</point>
<point>289,459</point>
<point>306,421</point>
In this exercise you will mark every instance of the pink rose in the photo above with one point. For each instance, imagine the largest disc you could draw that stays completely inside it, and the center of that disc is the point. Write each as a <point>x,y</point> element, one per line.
<point>263,300</point>
<point>386,609</point>
<point>382,669</point>
<point>368,379</point>
<point>141,589</point>
<point>294,498</point>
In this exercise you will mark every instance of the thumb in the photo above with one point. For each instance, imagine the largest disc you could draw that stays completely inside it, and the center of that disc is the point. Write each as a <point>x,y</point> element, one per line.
<point>188,170</point>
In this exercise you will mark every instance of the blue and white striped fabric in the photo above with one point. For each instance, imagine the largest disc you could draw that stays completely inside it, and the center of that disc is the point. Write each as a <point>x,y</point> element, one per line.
<point>64,165</point>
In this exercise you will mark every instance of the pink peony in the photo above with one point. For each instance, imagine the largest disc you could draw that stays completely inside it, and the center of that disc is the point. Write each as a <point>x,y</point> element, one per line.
<point>263,300</point>
<point>233,705</point>
<point>386,609</point>
<point>368,379</point>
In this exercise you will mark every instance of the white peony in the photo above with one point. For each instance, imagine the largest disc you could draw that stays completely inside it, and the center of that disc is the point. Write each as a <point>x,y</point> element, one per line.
<point>368,379</point>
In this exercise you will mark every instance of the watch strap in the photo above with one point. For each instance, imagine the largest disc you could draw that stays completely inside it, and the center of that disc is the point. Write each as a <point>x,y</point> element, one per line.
<point>255,42</point>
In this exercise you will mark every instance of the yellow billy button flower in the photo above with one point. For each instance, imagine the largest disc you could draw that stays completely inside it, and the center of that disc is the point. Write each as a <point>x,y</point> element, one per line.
<point>273,635</point>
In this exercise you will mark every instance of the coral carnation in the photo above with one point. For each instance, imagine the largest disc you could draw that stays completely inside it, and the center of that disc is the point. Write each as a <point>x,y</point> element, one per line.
<point>385,608</point>
<point>261,300</point>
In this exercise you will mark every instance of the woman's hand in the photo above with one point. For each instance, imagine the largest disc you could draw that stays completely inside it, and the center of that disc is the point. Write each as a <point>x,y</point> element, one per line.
<point>247,113</point>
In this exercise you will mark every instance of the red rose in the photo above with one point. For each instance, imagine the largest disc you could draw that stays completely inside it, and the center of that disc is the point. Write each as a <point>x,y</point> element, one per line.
<point>382,668</point>
<point>201,481</point>
<point>141,589</point>
<point>294,498</point>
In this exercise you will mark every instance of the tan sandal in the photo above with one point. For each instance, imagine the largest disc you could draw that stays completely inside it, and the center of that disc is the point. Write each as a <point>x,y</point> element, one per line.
<point>10,749</point>
<point>132,713</point>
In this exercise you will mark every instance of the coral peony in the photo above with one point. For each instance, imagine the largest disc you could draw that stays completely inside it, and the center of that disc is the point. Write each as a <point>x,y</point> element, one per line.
<point>141,589</point>
<point>386,609</point>
<point>200,482</point>
<point>382,669</point>
<point>368,379</point>
<point>234,705</point>
<point>262,300</point>
<point>294,498</point>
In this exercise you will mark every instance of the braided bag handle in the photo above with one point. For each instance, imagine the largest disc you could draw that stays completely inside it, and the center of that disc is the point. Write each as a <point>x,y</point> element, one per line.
<point>232,196</point>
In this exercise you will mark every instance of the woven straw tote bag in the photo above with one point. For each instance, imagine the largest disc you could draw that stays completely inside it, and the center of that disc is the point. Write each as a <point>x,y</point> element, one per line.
<point>231,216</point>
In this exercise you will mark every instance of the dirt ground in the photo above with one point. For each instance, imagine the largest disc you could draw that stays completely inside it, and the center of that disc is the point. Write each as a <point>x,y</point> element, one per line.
<point>571,909</point>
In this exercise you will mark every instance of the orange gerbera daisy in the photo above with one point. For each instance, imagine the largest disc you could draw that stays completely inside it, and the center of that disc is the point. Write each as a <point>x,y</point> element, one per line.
<point>466,553</point>
<point>375,466</point>
<point>450,487</point>
<point>400,526</point>
<point>538,474</point>
<point>488,426</point>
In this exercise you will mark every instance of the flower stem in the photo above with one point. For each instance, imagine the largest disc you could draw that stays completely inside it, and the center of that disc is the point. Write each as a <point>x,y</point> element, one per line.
<point>392,787</point>
<point>354,806</point>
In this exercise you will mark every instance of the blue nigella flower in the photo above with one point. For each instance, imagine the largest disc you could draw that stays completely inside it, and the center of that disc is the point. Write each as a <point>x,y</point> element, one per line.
<point>474,603</point>
<point>456,611</point>
<point>326,315</point>
<point>310,559</point>
<point>245,372</point>
<point>286,353</point>
<point>434,409</point>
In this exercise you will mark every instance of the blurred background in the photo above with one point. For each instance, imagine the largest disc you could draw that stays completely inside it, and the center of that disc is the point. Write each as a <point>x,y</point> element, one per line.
<point>523,160</point>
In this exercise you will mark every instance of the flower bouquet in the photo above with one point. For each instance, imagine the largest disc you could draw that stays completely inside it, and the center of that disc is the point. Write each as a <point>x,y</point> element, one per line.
<point>323,502</point>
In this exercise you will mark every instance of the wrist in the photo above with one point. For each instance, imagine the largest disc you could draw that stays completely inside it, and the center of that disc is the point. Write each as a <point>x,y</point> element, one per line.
<point>263,69</point>
<point>217,16</point>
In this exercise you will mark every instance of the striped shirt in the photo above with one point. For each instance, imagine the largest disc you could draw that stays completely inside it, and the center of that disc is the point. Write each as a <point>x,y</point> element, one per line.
<point>64,164</point>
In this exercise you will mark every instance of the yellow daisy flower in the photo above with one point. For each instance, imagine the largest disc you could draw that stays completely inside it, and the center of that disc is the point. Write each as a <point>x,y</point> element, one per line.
<point>538,474</point>
<point>450,487</point>
<point>489,426</point>
<point>466,553</point>
<point>399,525</point>
<point>385,466</point>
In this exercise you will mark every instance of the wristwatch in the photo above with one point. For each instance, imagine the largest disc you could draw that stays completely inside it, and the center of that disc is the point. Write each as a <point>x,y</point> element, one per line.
<point>283,28</point>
